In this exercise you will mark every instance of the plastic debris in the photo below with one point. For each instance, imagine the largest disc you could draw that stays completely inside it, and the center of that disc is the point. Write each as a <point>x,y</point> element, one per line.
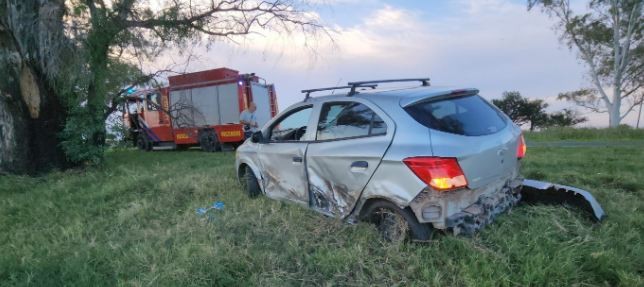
<point>217,205</point>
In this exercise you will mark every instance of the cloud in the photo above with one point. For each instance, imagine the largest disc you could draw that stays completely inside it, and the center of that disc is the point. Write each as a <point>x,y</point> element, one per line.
<point>493,45</point>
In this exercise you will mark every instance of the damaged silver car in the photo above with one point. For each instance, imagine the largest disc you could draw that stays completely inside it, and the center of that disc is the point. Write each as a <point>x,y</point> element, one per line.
<point>409,160</point>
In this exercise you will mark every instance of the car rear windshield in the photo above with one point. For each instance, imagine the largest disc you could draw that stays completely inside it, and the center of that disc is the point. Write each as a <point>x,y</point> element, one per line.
<point>468,115</point>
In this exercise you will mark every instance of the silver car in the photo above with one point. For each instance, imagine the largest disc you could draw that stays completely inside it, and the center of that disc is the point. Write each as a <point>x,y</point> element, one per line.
<point>409,160</point>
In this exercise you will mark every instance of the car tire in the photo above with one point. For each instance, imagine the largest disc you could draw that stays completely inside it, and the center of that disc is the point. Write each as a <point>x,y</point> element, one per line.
<point>143,143</point>
<point>252,185</point>
<point>209,141</point>
<point>395,224</point>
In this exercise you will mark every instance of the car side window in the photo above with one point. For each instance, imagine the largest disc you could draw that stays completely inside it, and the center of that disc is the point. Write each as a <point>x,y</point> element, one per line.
<point>348,120</point>
<point>292,127</point>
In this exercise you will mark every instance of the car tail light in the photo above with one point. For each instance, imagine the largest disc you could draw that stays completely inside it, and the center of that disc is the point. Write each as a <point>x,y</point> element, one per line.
<point>521,148</point>
<point>441,173</point>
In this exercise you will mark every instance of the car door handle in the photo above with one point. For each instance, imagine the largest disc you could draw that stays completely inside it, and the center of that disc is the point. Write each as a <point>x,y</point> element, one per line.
<point>360,164</point>
<point>297,159</point>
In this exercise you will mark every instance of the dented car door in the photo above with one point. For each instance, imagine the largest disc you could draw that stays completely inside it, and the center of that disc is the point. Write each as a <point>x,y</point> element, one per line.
<point>350,141</point>
<point>282,157</point>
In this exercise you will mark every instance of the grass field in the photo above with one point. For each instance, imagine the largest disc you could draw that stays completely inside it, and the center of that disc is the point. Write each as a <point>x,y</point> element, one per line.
<point>132,222</point>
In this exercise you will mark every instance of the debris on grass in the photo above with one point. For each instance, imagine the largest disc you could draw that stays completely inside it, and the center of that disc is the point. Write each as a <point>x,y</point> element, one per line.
<point>217,205</point>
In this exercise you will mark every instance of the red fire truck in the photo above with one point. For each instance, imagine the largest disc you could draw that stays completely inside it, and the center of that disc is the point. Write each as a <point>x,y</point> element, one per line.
<point>198,109</point>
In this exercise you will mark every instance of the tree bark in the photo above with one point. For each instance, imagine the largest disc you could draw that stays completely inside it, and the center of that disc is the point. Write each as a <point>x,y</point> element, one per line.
<point>95,91</point>
<point>30,142</point>
<point>614,116</point>
<point>13,157</point>
<point>31,113</point>
<point>44,150</point>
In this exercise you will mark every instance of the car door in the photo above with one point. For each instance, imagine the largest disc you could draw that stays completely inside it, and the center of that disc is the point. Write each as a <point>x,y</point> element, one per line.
<point>350,141</point>
<point>282,156</point>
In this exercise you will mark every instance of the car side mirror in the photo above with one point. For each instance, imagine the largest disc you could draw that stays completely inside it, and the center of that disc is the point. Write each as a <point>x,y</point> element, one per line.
<point>257,137</point>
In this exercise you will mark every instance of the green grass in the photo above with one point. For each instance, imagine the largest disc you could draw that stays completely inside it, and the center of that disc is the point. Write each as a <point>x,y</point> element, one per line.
<point>586,134</point>
<point>133,222</point>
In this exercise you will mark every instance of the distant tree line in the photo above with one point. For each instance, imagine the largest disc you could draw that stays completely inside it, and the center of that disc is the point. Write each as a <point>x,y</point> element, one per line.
<point>524,111</point>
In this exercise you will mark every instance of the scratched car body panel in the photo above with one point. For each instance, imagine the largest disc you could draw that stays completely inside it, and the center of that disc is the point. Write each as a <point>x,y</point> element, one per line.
<point>437,157</point>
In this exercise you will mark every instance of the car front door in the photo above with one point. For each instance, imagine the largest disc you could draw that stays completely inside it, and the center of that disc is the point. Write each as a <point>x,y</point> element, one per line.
<point>350,141</point>
<point>282,156</point>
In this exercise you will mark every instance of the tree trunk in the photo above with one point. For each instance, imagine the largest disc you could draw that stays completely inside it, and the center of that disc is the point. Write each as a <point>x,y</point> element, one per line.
<point>13,158</point>
<point>31,116</point>
<point>614,111</point>
<point>614,117</point>
<point>95,97</point>
<point>44,150</point>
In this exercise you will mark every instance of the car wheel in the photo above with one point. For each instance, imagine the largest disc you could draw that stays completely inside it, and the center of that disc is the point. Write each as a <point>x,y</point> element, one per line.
<point>143,143</point>
<point>252,185</point>
<point>395,224</point>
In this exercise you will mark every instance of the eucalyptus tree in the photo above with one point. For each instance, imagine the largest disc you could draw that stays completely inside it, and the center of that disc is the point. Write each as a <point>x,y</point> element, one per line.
<point>68,61</point>
<point>609,40</point>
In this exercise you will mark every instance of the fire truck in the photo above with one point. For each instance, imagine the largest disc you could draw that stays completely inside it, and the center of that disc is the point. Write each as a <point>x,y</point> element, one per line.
<point>198,109</point>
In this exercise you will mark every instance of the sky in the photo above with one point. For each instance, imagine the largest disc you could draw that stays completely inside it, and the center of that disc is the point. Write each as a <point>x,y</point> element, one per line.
<point>491,45</point>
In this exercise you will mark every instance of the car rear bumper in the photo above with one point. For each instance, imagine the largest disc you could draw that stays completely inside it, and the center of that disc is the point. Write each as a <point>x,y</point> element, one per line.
<point>484,211</point>
<point>467,210</point>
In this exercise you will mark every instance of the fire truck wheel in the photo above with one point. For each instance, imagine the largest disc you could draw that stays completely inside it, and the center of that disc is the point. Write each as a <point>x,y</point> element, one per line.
<point>143,143</point>
<point>209,141</point>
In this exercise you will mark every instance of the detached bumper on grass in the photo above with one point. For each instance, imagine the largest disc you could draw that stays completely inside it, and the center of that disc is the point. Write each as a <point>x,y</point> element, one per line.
<point>535,191</point>
<point>487,208</point>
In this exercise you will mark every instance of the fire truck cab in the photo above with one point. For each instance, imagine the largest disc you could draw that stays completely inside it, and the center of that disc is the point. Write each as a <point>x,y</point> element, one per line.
<point>198,109</point>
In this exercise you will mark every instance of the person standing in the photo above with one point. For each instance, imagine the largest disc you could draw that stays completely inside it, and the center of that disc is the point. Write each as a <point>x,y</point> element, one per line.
<point>249,120</point>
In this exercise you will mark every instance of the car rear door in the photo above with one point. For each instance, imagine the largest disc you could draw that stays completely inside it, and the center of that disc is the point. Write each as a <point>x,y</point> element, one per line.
<point>470,129</point>
<point>351,138</point>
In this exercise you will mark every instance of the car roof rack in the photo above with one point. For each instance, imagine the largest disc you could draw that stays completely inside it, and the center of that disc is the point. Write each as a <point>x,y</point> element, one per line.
<point>355,85</point>
<point>308,92</point>
<point>364,84</point>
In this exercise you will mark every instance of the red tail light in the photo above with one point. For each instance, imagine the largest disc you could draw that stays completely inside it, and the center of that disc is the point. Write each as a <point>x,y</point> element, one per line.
<point>441,173</point>
<point>521,148</point>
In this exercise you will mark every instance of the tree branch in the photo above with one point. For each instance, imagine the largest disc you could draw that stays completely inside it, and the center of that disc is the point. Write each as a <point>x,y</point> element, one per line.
<point>635,103</point>
<point>240,25</point>
<point>625,94</point>
<point>586,55</point>
<point>629,34</point>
